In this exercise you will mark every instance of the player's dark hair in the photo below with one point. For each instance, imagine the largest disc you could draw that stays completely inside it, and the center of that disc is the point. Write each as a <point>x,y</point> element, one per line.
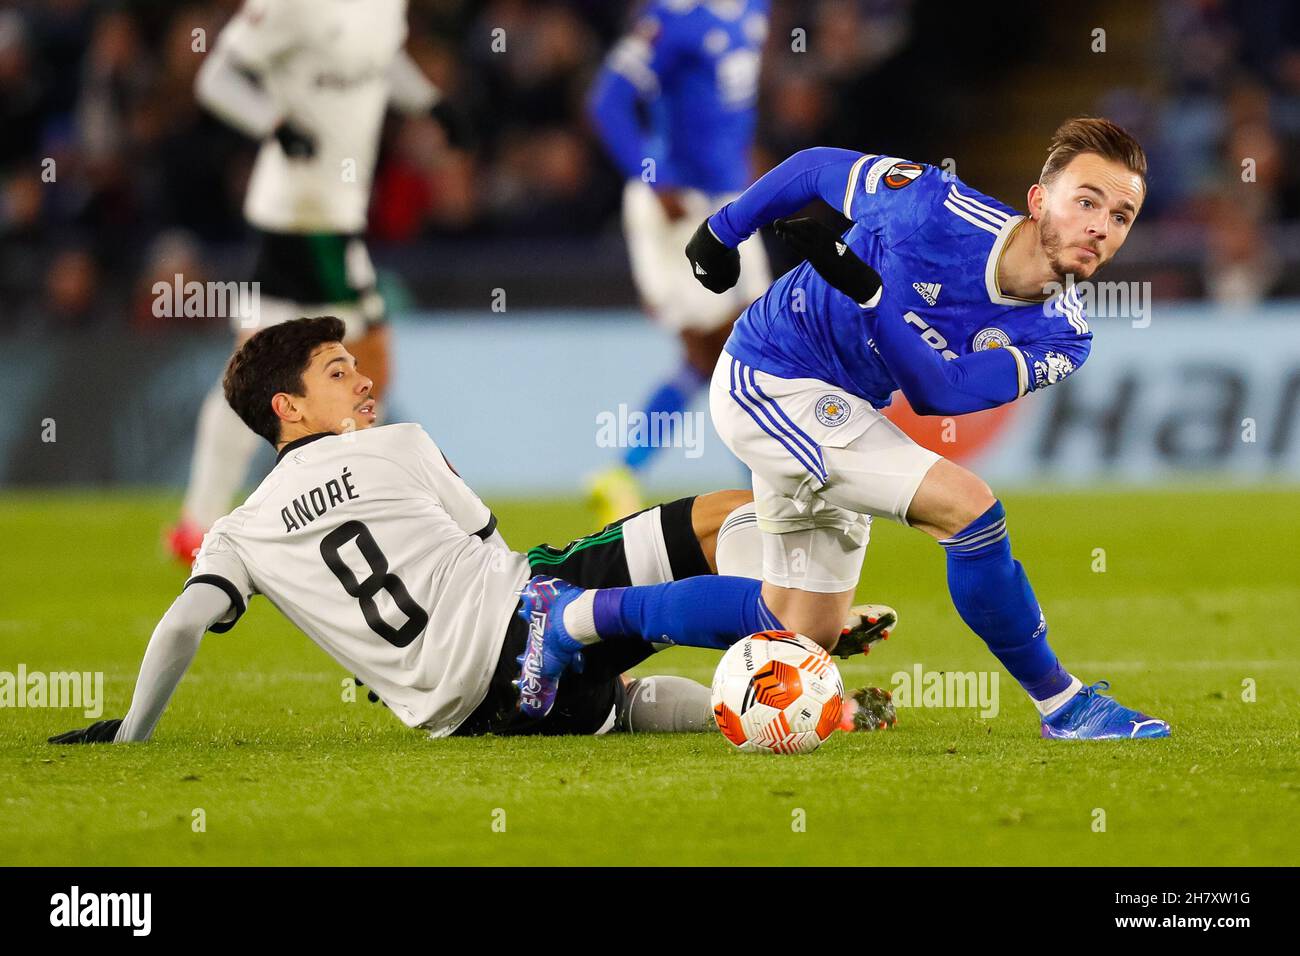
<point>1091,134</point>
<point>272,361</point>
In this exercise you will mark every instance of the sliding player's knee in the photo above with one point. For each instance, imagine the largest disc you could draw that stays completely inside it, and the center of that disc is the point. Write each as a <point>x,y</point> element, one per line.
<point>665,704</point>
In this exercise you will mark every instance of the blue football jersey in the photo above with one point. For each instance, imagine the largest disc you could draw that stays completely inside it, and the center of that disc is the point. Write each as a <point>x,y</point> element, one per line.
<point>936,244</point>
<point>695,64</point>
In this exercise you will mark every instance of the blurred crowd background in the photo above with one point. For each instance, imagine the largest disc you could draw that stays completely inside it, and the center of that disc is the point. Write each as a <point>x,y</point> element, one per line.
<point>147,185</point>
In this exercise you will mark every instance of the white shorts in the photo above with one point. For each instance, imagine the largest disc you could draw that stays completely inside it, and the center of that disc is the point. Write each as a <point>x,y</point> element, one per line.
<point>657,250</point>
<point>824,462</point>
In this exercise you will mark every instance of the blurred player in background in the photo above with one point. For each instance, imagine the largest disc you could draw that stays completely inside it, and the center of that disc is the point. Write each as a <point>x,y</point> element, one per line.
<point>311,80</point>
<point>691,69</point>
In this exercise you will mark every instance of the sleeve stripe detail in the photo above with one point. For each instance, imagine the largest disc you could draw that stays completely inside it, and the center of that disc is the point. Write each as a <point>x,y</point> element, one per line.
<point>232,592</point>
<point>948,204</point>
<point>1068,304</point>
<point>856,171</point>
<point>1022,371</point>
<point>485,532</point>
<point>996,216</point>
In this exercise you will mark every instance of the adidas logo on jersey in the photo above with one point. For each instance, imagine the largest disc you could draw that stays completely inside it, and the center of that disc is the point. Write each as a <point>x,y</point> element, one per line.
<point>699,270</point>
<point>929,291</point>
<point>840,248</point>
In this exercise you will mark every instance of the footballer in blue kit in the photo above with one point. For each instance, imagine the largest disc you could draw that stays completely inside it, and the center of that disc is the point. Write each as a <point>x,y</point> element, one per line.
<point>961,303</point>
<point>675,106</point>
<point>938,291</point>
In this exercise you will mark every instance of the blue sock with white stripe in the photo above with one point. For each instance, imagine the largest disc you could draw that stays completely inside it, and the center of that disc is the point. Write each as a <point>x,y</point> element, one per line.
<point>672,396</point>
<point>992,594</point>
<point>706,611</point>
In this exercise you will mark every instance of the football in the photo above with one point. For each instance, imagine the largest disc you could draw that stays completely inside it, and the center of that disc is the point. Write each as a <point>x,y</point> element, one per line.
<point>777,692</point>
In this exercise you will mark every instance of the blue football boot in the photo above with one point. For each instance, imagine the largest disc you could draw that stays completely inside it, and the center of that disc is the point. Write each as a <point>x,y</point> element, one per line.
<point>550,650</point>
<point>1090,716</point>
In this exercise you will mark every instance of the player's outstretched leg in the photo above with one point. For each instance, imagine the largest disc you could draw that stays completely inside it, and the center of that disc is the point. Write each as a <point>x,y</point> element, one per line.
<point>706,611</point>
<point>991,592</point>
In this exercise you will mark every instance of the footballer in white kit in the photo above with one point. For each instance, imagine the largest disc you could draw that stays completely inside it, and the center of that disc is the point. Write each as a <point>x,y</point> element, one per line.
<point>368,540</point>
<point>311,80</point>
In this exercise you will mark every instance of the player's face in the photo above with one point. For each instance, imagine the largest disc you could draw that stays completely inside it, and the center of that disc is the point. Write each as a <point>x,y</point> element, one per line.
<point>1086,214</point>
<point>337,397</point>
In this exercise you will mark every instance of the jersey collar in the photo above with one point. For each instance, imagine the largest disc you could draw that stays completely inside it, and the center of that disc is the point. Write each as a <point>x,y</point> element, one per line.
<point>996,295</point>
<point>298,443</point>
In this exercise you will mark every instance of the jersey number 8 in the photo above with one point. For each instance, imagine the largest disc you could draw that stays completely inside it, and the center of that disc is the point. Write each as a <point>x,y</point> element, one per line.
<point>379,579</point>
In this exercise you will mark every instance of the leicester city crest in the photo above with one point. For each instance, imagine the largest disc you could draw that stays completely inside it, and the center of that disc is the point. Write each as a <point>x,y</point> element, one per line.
<point>990,339</point>
<point>832,410</point>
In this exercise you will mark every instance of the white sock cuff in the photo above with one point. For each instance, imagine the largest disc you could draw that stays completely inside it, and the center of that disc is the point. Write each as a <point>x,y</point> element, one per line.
<point>1045,707</point>
<point>580,618</point>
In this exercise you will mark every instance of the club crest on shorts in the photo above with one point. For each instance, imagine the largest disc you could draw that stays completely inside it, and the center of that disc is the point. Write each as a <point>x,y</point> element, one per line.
<point>902,174</point>
<point>832,410</point>
<point>990,339</point>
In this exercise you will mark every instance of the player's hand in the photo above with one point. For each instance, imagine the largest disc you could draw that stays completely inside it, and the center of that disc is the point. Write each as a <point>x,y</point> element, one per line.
<point>296,142</point>
<point>101,732</point>
<point>715,265</point>
<point>830,256</point>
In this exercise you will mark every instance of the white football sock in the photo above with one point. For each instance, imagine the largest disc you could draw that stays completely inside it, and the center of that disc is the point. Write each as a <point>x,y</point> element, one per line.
<point>740,546</point>
<point>1045,707</point>
<point>666,704</point>
<point>223,449</point>
<point>579,618</point>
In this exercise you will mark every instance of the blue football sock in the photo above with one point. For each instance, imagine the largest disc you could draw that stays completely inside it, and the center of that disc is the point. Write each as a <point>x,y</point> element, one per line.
<point>992,594</point>
<point>673,395</point>
<point>706,611</point>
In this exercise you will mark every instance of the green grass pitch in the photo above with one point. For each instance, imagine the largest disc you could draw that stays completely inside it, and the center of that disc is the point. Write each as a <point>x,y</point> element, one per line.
<point>1198,602</point>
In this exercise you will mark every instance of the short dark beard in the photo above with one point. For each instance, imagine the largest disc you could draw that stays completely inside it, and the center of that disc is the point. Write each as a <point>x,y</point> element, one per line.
<point>1050,237</point>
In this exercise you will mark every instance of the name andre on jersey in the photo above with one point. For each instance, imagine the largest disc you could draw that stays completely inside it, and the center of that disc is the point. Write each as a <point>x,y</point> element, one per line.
<point>306,508</point>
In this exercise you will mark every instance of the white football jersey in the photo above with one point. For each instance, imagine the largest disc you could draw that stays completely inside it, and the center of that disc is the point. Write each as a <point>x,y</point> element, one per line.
<point>377,550</point>
<point>326,63</point>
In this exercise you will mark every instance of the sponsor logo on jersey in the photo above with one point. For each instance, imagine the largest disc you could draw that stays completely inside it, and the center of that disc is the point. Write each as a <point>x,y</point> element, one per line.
<point>929,291</point>
<point>990,339</point>
<point>878,169</point>
<point>832,410</point>
<point>1051,369</point>
<point>902,174</point>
